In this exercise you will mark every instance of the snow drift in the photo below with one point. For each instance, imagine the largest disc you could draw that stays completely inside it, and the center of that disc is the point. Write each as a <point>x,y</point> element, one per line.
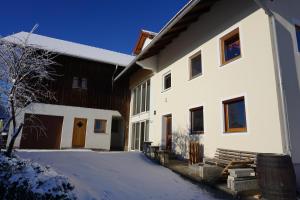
<point>24,179</point>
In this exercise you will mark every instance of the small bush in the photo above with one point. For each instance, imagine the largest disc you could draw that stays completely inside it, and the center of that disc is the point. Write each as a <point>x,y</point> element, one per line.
<point>24,179</point>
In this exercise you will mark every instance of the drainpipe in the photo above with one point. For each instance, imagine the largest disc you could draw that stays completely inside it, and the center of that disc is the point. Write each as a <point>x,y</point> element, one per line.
<point>113,77</point>
<point>282,97</point>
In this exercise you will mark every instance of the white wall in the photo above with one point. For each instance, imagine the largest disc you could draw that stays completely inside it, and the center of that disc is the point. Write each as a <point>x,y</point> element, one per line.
<point>97,141</point>
<point>251,76</point>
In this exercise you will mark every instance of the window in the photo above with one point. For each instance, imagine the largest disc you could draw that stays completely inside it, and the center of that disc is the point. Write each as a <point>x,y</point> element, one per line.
<point>230,47</point>
<point>139,134</point>
<point>197,125</point>
<point>138,100</point>
<point>235,115</point>
<point>75,83</point>
<point>100,126</point>
<point>141,98</point>
<point>148,96</point>
<point>84,83</point>
<point>167,81</point>
<point>298,36</point>
<point>143,109</point>
<point>195,66</point>
<point>79,83</point>
<point>134,111</point>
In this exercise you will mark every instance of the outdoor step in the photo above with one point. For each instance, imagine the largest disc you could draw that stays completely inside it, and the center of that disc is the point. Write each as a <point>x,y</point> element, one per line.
<point>242,184</point>
<point>241,172</point>
<point>205,171</point>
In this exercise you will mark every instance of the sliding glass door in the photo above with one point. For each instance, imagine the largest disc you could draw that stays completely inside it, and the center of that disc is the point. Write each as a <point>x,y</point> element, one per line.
<point>139,134</point>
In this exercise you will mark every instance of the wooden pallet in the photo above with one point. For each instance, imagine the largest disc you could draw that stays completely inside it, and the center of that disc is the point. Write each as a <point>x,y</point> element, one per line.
<point>229,159</point>
<point>195,152</point>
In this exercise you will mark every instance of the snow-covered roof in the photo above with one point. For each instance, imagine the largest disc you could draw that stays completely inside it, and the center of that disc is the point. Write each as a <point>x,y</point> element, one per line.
<point>72,49</point>
<point>150,32</point>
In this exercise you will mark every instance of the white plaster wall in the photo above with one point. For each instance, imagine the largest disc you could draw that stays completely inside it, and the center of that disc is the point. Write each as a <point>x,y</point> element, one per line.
<point>97,141</point>
<point>251,76</point>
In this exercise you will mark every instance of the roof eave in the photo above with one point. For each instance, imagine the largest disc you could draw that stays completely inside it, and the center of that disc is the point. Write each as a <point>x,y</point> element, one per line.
<point>187,8</point>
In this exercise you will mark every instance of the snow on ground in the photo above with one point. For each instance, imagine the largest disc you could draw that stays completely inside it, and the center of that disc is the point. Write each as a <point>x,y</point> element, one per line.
<point>119,176</point>
<point>31,179</point>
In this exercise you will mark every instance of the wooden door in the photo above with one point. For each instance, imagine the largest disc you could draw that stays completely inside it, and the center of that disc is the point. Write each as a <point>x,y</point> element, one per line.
<point>169,133</point>
<point>79,131</point>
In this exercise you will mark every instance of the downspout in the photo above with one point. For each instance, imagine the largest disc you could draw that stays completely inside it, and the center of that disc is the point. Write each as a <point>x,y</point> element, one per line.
<point>113,77</point>
<point>282,97</point>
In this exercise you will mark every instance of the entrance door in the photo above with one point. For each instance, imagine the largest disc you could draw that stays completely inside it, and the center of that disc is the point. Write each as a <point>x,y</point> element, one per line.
<point>117,134</point>
<point>168,132</point>
<point>140,134</point>
<point>79,131</point>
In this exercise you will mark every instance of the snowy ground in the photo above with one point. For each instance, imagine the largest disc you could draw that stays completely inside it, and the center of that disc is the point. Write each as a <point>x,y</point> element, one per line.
<point>119,176</point>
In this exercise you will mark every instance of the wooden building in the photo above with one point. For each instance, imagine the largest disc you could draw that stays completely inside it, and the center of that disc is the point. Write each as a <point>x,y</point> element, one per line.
<point>90,111</point>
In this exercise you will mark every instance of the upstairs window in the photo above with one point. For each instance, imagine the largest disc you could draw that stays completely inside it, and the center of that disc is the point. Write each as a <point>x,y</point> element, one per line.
<point>298,37</point>
<point>75,83</point>
<point>84,83</point>
<point>235,115</point>
<point>230,47</point>
<point>197,125</point>
<point>167,81</point>
<point>141,98</point>
<point>195,66</point>
<point>100,126</point>
<point>79,83</point>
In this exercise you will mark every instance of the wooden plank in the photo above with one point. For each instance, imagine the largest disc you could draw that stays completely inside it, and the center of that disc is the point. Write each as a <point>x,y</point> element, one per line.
<point>234,156</point>
<point>230,150</point>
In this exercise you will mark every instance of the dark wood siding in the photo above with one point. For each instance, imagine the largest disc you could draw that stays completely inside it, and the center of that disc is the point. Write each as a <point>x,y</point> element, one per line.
<point>47,136</point>
<point>101,92</point>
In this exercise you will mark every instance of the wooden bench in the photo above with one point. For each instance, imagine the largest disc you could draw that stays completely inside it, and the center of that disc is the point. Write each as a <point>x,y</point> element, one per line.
<point>229,159</point>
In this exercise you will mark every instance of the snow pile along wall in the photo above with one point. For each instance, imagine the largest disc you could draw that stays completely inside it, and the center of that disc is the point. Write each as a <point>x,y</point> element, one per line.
<point>24,179</point>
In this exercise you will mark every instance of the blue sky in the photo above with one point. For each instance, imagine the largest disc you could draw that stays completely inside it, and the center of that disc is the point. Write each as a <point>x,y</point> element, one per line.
<point>109,24</point>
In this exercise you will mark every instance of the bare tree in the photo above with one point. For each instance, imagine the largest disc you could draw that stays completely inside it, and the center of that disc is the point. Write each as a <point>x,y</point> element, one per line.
<point>25,74</point>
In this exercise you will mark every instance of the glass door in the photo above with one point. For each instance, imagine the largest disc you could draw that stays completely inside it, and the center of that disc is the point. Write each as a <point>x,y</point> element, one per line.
<point>140,133</point>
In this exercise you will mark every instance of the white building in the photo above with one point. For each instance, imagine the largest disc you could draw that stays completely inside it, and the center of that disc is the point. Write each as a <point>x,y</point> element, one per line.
<point>224,73</point>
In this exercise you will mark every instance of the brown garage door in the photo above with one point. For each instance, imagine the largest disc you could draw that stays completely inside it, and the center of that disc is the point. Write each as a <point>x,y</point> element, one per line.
<point>47,137</point>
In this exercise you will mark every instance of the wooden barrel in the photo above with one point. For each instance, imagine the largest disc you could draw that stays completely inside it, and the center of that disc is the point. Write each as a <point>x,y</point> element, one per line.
<point>276,176</point>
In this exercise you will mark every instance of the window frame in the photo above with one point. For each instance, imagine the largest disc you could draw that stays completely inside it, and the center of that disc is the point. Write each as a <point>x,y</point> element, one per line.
<point>163,81</point>
<point>190,65</point>
<point>222,46</point>
<point>75,82</point>
<point>100,130</point>
<point>79,83</point>
<point>137,131</point>
<point>227,129</point>
<point>136,98</point>
<point>297,28</point>
<point>84,83</point>
<point>191,120</point>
